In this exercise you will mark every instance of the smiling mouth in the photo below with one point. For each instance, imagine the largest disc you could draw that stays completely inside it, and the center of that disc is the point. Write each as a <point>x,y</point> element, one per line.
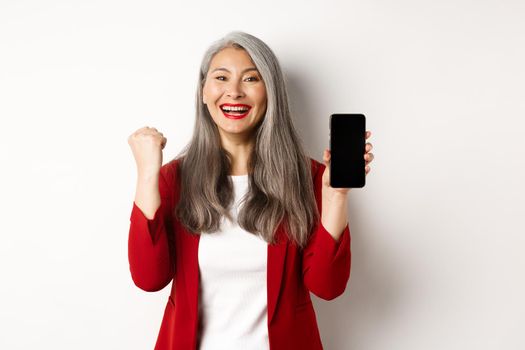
<point>235,111</point>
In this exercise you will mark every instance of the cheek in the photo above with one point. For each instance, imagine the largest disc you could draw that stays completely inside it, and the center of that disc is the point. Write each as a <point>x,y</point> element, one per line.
<point>263,101</point>
<point>213,90</point>
<point>260,94</point>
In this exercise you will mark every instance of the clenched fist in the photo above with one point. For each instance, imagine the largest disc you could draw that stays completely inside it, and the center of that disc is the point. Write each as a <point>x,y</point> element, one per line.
<point>147,144</point>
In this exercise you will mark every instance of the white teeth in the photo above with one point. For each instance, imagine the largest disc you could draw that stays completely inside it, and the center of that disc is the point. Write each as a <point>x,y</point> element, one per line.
<point>234,109</point>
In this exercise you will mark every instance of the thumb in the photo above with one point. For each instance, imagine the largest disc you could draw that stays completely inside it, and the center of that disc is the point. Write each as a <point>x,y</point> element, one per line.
<point>326,157</point>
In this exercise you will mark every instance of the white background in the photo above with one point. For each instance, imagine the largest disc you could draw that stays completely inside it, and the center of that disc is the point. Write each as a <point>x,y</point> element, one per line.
<point>437,233</point>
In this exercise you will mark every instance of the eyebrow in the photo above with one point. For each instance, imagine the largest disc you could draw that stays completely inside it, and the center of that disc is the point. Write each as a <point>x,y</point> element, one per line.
<point>224,69</point>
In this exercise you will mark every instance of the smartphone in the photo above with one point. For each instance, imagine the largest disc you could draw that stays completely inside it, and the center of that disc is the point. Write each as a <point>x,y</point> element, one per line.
<point>347,149</point>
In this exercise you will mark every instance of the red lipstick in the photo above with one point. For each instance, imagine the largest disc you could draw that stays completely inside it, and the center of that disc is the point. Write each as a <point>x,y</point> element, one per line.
<point>235,111</point>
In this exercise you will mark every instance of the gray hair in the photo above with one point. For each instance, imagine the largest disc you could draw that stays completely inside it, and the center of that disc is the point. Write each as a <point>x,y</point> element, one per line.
<point>280,173</point>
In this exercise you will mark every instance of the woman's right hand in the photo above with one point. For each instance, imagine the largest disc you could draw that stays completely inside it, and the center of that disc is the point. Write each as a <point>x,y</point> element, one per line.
<point>147,144</point>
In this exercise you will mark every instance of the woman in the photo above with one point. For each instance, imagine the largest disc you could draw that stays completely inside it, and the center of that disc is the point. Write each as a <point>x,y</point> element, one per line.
<point>243,222</point>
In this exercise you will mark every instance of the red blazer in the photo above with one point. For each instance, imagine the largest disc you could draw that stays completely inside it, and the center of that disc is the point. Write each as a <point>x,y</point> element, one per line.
<point>161,250</point>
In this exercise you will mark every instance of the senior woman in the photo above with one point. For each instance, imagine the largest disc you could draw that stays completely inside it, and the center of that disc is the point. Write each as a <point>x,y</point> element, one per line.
<point>242,221</point>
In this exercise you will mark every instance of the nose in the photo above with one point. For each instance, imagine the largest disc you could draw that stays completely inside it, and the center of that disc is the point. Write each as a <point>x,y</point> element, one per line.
<point>234,90</point>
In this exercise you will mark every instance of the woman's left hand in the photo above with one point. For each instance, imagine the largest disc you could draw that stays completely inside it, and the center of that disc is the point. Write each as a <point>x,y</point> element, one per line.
<point>334,200</point>
<point>326,176</point>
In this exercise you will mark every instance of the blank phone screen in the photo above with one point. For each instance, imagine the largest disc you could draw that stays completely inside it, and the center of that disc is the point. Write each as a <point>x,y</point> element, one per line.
<point>347,148</point>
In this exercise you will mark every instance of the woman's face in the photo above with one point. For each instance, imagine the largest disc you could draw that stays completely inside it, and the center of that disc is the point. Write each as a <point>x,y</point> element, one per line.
<point>234,93</point>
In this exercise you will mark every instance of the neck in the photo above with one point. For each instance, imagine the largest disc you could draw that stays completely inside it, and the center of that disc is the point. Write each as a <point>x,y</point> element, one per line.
<point>240,149</point>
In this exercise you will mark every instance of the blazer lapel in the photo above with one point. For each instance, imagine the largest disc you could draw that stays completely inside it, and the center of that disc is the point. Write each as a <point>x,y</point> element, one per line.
<point>275,270</point>
<point>191,263</point>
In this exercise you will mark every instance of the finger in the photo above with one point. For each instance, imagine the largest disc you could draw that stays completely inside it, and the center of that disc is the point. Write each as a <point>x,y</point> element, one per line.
<point>368,133</point>
<point>139,130</point>
<point>149,131</point>
<point>369,157</point>
<point>368,147</point>
<point>367,169</point>
<point>326,156</point>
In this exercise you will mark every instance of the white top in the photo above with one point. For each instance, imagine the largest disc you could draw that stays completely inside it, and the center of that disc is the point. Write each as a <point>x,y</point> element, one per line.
<point>232,293</point>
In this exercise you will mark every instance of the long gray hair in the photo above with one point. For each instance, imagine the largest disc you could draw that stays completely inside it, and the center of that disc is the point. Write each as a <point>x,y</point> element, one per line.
<point>280,175</point>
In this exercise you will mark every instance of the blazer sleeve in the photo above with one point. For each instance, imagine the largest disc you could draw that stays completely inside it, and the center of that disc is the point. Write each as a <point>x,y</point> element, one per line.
<point>149,258</point>
<point>326,262</point>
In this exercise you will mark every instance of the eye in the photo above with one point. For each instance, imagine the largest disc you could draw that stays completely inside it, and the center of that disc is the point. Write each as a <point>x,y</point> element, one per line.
<point>222,78</point>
